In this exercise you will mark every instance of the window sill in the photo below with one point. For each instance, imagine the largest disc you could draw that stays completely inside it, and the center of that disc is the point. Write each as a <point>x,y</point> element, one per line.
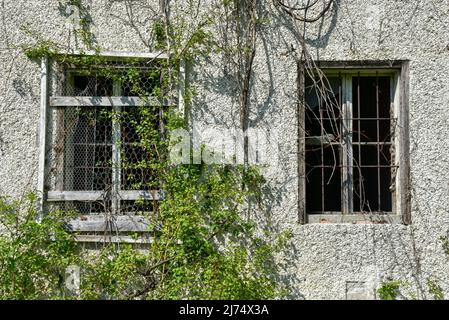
<point>113,229</point>
<point>355,219</point>
<point>112,223</point>
<point>105,239</point>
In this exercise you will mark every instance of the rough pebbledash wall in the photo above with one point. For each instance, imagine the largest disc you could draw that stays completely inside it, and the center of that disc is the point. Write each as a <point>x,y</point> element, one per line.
<point>322,261</point>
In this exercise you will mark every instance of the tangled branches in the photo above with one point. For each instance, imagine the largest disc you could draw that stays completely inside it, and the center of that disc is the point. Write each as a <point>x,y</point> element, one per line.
<point>296,12</point>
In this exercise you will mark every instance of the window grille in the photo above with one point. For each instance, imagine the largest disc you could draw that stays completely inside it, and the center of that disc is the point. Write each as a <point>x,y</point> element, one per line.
<point>353,147</point>
<point>98,163</point>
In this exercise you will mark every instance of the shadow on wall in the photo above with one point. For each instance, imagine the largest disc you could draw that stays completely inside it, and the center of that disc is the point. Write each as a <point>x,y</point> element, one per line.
<point>2,145</point>
<point>399,245</point>
<point>22,87</point>
<point>78,15</point>
<point>129,18</point>
<point>326,25</point>
<point>82,21</point>
<point>226,83</point>
<point>223,81</point>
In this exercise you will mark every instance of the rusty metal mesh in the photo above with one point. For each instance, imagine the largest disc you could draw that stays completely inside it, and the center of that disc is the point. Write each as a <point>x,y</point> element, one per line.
<point>105,149</point>
<point>107,78</point>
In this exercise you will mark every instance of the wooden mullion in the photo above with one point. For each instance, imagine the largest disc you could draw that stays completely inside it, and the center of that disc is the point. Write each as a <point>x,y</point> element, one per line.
<point>42,137</point>
<point>347,148</point>
<point>394,85</point>
<point>121,223</point>
<point>182,82</point>
<point>116,153</point>
<point>301,113</point>
<point>369,218</point>
<point>350,149</point>
<point>404,184</point>
<point>119,54</point>
<point>57,196</point>
<point>107,101</point>
<point>108,238</point>
<point>59,138</point>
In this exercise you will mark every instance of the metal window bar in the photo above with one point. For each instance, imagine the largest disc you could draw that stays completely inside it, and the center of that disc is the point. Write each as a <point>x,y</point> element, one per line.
<point>323,195</point>
<point>383,150</point>
<point>350,157</point>
<point>90,145</point>
<point>359,139</point>
<point>323,139</point>
<point>378,143</point>
<point>116,159</point>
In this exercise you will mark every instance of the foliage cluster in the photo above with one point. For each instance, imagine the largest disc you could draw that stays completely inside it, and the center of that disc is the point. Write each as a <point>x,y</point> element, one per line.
<point>202,246</point>
<point>389,290</point>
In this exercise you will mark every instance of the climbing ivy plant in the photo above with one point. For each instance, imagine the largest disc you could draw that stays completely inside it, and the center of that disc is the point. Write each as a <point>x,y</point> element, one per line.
<point>33,255</point>
<point>202,248</point>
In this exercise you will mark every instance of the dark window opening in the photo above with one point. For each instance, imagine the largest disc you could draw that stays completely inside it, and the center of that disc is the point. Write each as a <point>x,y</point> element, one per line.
<point>371,144</point>
<point>367,177</point>
<point>323,137</point>
<point>92,86</point>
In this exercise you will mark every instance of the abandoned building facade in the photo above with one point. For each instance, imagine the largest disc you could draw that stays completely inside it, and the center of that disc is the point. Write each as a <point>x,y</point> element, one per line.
<point>346,113</point>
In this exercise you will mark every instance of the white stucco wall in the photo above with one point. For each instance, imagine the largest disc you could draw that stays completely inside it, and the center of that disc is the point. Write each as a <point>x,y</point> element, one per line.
<point>323,260</point>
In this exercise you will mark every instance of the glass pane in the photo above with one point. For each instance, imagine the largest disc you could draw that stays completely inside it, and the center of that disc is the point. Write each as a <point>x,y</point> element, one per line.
<point>324,96</point>
<point>368,156</point>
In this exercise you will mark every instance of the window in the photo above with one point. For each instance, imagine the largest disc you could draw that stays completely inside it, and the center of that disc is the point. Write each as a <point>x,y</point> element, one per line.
<point>95,160</point>
<point>354,165</point>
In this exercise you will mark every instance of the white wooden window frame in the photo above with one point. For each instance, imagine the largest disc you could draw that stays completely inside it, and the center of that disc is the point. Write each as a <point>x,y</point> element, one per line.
<point>124,223</point>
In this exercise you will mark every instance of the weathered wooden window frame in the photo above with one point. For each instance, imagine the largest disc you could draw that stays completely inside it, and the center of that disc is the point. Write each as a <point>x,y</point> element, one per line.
<point>96,224</point>
<point>399,71</point>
